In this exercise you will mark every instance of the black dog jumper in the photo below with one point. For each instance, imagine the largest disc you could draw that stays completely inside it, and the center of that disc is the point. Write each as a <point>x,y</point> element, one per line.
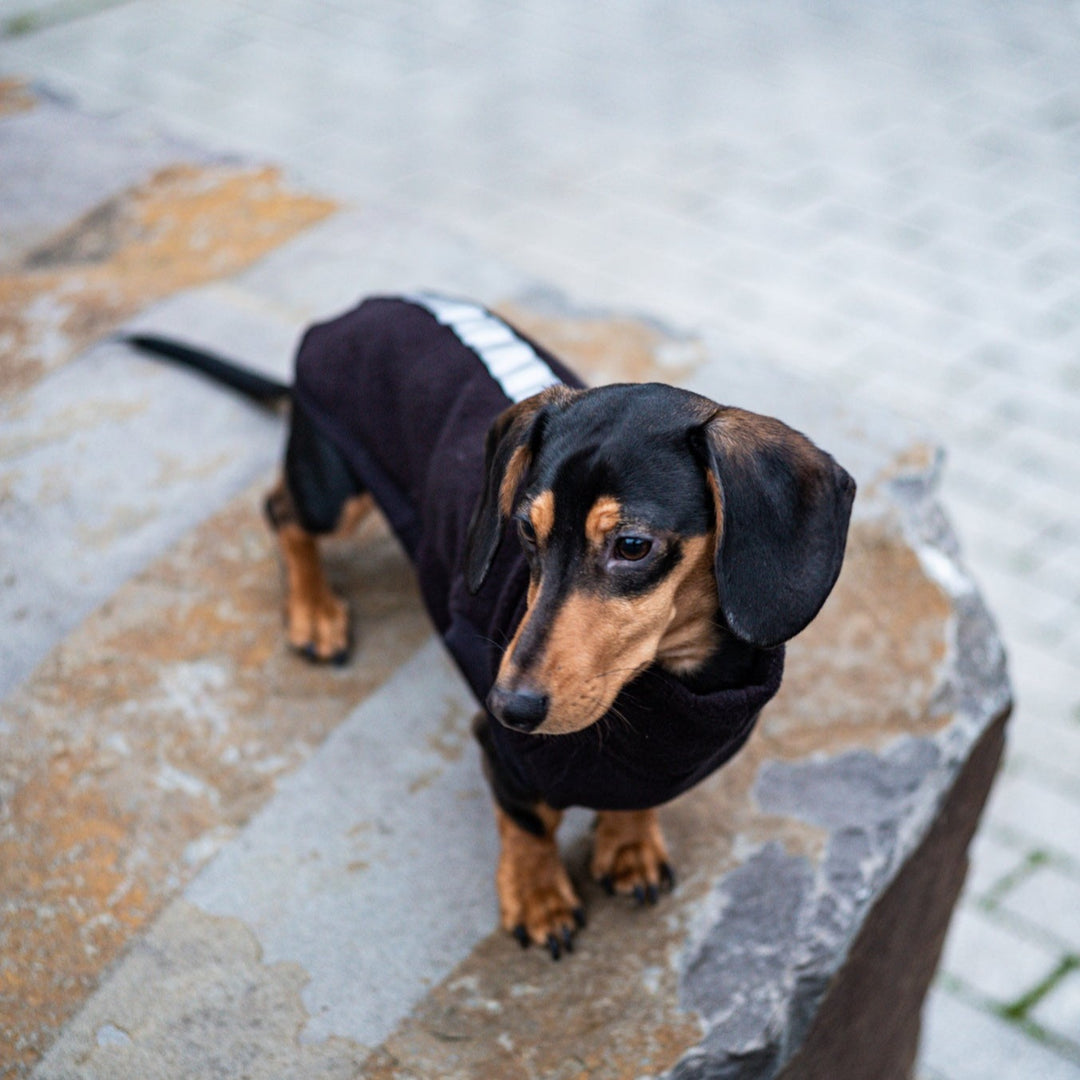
<point>406,389</point>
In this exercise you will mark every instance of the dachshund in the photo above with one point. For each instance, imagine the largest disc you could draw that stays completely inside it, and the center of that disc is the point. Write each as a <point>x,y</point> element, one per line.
<point>624,641</point>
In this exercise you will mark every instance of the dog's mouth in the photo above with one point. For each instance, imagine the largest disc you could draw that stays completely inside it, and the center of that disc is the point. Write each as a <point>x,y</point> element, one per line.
<point>575,680</point>
<point>532,711</point>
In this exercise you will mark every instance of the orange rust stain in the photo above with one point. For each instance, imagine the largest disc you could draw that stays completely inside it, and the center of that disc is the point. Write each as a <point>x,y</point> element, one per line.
<point>185,226</point>
<point>866,669</point>
<point>72,899</point>
<point>915,460</point>
<point>15,97</point>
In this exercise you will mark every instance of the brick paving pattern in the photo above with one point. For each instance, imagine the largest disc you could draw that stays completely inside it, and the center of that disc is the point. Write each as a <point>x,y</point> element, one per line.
<point>886,197</point>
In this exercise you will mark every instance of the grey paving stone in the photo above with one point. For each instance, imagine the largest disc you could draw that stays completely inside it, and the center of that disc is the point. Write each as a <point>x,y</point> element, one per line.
<point>1059,1011</point>
<point>994,960</point>
<point>1028,613</point>
<point>963,1042</point>
<point>1048,683</point>
<point>1051,742</point>
<point>988,534</point>
<point>1029,806</point>
<point>359,253</point>
<point>1050,899</point>
<point>993,859</point>
<point>11,8</point>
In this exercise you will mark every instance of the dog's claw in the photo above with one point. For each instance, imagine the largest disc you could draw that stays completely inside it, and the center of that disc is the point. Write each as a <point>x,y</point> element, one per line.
<point>553,947</point>
<point>630,858</point>
<point>578,915</point>
<point>311,653</point>
<point>555,943</point>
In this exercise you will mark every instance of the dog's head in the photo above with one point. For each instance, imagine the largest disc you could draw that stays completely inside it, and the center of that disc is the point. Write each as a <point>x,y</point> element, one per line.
<point>653,521</point>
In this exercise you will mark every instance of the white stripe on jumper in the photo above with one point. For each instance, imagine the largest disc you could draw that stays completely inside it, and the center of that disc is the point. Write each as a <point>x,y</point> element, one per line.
<point>513,363</point>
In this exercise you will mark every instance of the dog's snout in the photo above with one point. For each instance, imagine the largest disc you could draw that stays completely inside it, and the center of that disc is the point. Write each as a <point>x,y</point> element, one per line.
<point>523,710</point>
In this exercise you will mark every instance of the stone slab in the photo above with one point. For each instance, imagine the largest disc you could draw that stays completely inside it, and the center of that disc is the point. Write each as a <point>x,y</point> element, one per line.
<point>171,726</point>
<point>348,841</point>
<point>103,465</point>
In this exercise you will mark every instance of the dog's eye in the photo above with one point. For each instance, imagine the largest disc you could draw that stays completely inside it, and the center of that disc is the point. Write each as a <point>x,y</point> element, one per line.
<point>632,548</point>
<point>526,531</point>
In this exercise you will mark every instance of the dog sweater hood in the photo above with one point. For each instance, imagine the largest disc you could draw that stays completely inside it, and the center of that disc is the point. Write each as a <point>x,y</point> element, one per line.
<point>406,389</point>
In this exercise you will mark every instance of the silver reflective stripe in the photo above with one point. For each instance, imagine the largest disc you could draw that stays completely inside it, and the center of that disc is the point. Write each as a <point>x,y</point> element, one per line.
<point>513,363</point>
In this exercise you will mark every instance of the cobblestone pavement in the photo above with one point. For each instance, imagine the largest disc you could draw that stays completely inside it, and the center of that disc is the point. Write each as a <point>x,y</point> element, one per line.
<point>884,196</point>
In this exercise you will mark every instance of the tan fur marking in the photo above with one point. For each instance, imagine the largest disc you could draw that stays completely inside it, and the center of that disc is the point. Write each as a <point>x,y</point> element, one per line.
<point>515,470</point>
<point>507,667</point>
<point>629,849</point>
<point>691,635</point>
<point>718,504</point>
<point>316,618</point>
<point>513,424</point>
<point>605,515</point>
<point>542,515</point>
<point>354,511</point>
<point>533,886</point>
<point>596,645</point>
<point>740,435</point>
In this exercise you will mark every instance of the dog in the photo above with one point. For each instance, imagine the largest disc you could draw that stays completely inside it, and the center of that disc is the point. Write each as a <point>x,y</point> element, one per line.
<point>625,640</point>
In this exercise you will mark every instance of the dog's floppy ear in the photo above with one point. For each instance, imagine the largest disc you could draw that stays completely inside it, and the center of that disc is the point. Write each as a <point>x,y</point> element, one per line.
<point>782,511</point>
<point>511,443</point>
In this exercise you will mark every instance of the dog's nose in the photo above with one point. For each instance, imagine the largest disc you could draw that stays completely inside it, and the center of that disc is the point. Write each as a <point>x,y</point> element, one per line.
<point>523,710</point>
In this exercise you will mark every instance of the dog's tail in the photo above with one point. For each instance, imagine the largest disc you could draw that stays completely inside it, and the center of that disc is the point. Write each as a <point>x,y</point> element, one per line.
<point>245,381</point>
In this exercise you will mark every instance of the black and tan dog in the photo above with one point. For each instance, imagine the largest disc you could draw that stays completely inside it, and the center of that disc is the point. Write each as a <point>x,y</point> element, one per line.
<point>625,641</point>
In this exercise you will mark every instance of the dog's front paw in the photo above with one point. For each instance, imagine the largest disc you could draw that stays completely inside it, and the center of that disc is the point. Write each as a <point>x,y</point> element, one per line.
<point>318,626</point>
<point>545,916</point>
<point>536,899</point>
<point>630,856</point>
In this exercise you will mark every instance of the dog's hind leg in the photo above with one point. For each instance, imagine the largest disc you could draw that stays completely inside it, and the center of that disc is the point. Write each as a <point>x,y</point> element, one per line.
<point>318,495</point>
